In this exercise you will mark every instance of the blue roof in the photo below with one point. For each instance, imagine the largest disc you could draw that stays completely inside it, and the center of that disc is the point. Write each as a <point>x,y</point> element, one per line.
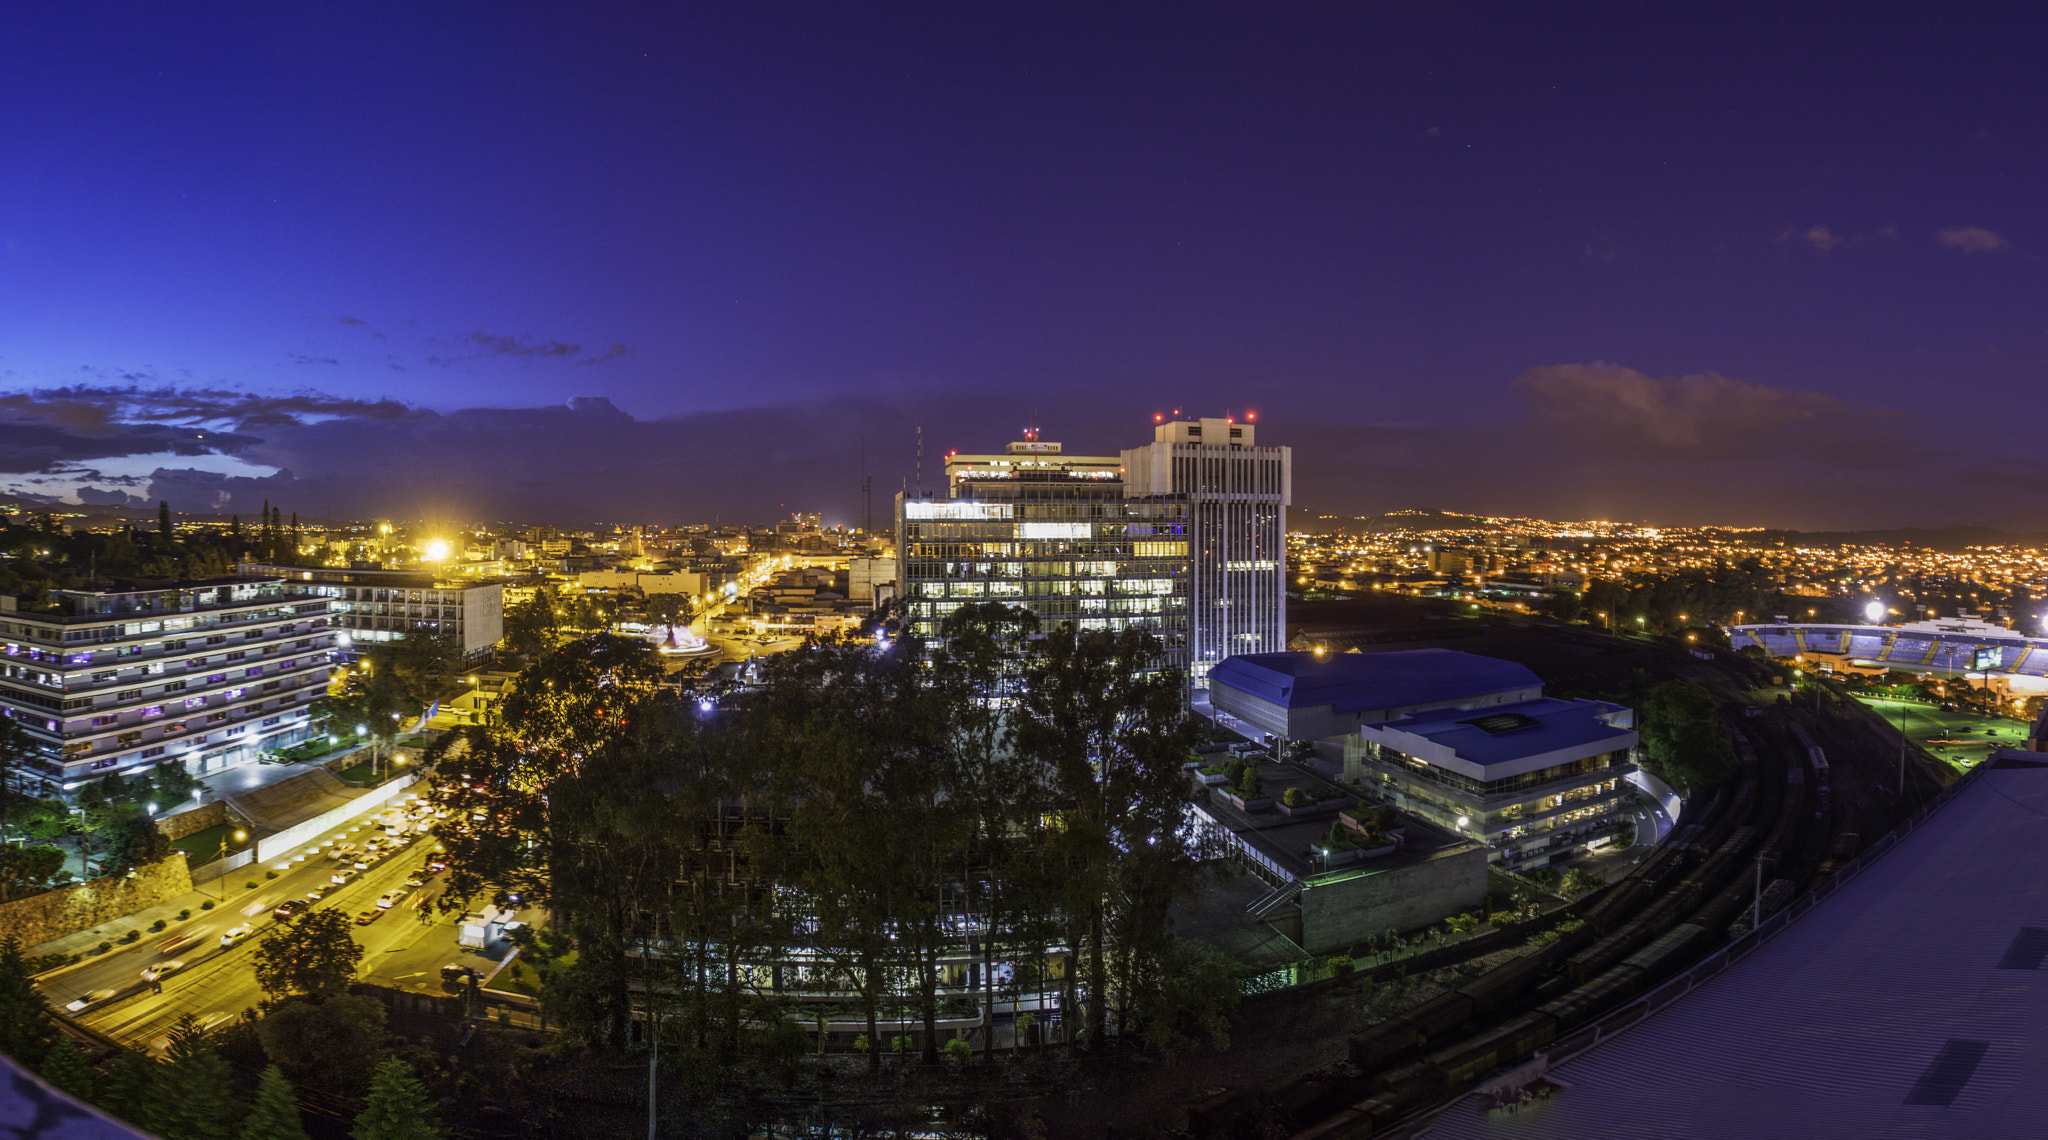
<point>1531,728</point>
<point>1351,682</point>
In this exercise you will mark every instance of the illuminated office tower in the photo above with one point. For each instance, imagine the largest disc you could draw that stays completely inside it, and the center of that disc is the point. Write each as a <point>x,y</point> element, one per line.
<point>1235,494</point>
<point>1051,532</point>
<point>1185,536</point>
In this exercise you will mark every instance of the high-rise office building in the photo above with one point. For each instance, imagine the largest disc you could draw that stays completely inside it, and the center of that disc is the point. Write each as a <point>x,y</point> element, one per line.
<point>1184,536</point>
<point>1236,495</point>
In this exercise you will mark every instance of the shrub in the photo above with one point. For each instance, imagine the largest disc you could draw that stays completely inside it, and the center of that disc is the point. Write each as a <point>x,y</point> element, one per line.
<point>184,914</point>
<point>959,1050</point>
<point>104,947</point>
<point>206,904</point>
<point>860,1044</point>
<point>1250,789</point>
<point>251,884</point>
<point>1461,923</point>
<point>1341,964</point>
<point>270,874</point>
<point>132,936</point>
<point>900,1044</point>
<point>159,924</point>
<point>1293,798</point>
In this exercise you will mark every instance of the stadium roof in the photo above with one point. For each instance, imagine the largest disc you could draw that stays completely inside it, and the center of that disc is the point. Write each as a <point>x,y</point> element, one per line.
<point>1907,1003</point>
<point>1351,682</point>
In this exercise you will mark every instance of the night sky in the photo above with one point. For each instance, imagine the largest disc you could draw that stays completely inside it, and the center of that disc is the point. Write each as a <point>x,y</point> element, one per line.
<point>666,264</point>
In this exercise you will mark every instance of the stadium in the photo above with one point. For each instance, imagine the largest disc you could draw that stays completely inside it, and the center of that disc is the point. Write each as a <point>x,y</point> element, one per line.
<point>1963,647</point>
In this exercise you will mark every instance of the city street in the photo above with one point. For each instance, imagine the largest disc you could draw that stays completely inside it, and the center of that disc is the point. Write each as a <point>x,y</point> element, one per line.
<point>217,982</point>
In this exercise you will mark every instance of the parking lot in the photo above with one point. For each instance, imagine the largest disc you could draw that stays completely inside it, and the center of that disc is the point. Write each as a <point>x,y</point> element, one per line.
<point>1960,738</point>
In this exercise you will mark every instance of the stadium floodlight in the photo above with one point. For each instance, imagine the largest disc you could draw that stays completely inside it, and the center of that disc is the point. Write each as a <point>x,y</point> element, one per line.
<point>1874,612</point>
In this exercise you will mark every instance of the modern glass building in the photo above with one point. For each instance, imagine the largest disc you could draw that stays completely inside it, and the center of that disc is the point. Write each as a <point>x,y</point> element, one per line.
<point>1183,536</point>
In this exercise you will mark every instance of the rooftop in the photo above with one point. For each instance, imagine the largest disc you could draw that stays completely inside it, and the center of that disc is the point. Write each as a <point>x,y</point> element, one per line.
<point>1903,1004</point>
<point>1502,734</point>
<point>1353,682</point>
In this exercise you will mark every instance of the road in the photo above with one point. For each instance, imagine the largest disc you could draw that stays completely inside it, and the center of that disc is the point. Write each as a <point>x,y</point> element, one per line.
<point>219,982</point>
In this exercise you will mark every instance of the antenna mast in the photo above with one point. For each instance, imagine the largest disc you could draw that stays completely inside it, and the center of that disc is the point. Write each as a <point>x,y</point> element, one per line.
<point>919,469</point>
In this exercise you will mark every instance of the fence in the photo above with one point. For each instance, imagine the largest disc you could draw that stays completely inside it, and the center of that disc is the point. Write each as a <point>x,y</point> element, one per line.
<point>1611,1025</point>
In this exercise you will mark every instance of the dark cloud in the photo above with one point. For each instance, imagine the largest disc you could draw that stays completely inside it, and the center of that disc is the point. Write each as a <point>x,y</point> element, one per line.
<point>1609,410</point>
<point>200,492</point>
<point>348,320</point>
<point>302,358</point>
<point>613,353</point>
<point>44,429</point>
<point>520,346</point>
<point>93,496</point>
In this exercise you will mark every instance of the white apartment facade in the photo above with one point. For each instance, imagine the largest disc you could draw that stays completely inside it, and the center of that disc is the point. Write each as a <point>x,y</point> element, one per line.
<point>209,674</point>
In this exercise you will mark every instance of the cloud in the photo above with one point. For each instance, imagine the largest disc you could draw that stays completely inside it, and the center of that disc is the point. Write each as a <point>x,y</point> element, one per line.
<point>1609,410</point>
<point>348,320</point>
<point>44,429</point>
<point>302,358</point>
<point>612,353</point>
<point>1820,238</point>
<point>520,346</point>
<point>1969,239</point>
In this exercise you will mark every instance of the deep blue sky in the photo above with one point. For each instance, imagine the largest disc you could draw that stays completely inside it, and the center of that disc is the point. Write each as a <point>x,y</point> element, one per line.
<point>1729,265</point>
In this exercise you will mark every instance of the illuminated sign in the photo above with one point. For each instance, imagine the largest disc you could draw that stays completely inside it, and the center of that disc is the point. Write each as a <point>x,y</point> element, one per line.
<point>1988,658</point>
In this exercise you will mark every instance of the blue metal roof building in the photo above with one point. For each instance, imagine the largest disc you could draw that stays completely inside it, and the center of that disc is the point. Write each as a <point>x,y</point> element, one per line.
<point>1312,696</point>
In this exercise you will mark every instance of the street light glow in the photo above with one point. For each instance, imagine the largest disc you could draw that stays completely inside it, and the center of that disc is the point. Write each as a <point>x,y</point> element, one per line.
<point>1874,612</point>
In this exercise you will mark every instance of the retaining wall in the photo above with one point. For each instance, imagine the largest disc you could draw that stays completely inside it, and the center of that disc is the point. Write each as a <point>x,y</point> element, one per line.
<point>282,844</point>
<point>191,821</point>
<point>68,910</point>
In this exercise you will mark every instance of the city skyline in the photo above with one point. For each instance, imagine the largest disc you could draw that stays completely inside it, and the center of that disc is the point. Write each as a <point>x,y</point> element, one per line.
<point>448,264</point>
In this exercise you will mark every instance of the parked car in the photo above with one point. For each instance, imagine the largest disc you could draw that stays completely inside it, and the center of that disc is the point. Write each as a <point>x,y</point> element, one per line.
<point>90,997</point>
<point>162,970</point>
<point>237,933</point>
<point>369,916</point>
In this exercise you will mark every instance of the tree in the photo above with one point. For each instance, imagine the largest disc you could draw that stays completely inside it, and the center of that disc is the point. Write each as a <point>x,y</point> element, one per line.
<point>313,957</point>
<point>1684,740</point>
<point>530,628</point>
<point>133,841</point>
<point>669,609</point>
<point>129,1090</point>
<point>174,782</point>
<point>398,1107</point>
<point>26,1030</point>
<point>333,1046</point>
<point>27,871</point>
<point>163,520</point>
<point>275,1115</point>
<point>1579,881</point>
<point>65,1068</point>
<point>195,1100</point>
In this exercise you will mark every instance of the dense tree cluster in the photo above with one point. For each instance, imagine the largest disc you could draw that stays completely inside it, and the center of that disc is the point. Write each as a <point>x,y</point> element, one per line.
<point>1685,742</point>
<point>855,831</point>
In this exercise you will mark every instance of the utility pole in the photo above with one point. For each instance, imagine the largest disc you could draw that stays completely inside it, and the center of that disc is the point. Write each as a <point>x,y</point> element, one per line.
<point>1756,913</point>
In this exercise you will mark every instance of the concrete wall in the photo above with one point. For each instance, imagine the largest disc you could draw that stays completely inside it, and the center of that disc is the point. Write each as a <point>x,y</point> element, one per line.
<point>1349,906</point>
<point>192,820</point>
<point>278,846</point>
<point>54,914</point>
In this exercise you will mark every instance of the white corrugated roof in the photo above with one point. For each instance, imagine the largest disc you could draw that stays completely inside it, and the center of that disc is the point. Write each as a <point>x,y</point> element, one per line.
<point>1831,1027</point>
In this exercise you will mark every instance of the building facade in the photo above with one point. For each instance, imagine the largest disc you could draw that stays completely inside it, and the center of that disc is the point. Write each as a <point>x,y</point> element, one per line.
<point>1466,742</point>
<point>1236,496</point>
<point>372,605</point>
<point>1184,537</point>
<point>210,674</point>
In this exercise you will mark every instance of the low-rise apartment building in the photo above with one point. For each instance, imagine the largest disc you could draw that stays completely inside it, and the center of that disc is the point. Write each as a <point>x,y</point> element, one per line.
<point>372,604</point>
<point>208,673</point>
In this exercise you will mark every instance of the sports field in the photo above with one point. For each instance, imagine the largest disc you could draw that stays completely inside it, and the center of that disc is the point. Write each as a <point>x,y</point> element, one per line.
<point>1961,738</point>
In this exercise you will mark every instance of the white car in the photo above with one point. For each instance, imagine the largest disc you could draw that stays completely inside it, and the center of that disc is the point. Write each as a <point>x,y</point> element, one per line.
<point>162,969</point>
<point>88,998</point>
<point>390,898</point>
<point>237,933</point>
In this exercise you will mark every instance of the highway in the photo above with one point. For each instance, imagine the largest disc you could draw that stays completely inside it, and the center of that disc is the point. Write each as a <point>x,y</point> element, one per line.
<point>218,982</point>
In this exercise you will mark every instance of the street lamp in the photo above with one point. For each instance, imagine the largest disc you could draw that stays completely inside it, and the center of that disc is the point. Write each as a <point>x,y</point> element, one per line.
<point>222,878</point>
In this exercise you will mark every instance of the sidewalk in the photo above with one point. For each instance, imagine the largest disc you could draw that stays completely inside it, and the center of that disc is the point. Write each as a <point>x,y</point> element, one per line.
<point>112,931</point>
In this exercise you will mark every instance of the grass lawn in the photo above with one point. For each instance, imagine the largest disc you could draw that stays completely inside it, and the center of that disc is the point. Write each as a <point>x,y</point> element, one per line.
<point>1964,738</point>
<point>204,846</point>
<point>522,978</point>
